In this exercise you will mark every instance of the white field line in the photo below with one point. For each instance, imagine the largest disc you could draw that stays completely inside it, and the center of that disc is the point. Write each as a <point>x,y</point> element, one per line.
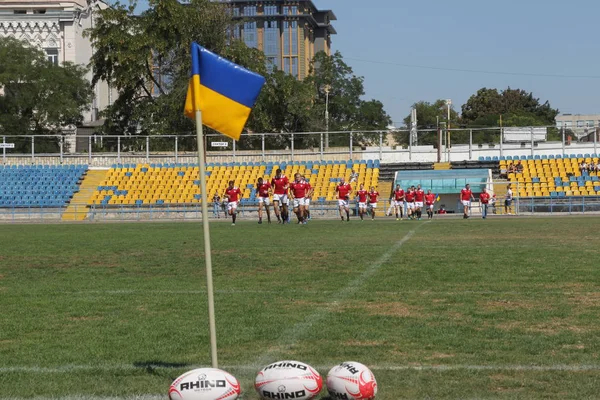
<point>67,369</point>
<point>289,337</point>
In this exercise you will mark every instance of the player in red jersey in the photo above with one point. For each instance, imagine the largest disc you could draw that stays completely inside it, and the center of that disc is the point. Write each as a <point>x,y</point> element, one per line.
<point>309,194</point>
<point>410,202</point>
<point>373,196</point>
<point>465,198</point>
<point>429,202</point>
<point>419,198</point>
<point>280,184</point>
<point>263,190</point>
<point>298,190</point>
<point>343,190</point>
<point>233,194</point>
<point>399,202</point>
<point>484,199</point>
<point>361,193</point>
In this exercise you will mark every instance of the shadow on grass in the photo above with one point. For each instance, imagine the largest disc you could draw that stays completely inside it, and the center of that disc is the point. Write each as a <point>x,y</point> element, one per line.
<point>152,366</point>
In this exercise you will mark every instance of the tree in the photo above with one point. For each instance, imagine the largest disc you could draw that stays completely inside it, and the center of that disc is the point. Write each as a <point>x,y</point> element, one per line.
<point>516,106</point>
<point>347,110</point>
<point>39,98</point>
<point>147,58</point>
<point>429,117</point>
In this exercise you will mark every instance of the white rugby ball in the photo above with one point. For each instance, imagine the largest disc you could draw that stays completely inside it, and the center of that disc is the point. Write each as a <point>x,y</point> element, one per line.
<point>351,381</point>
<point>205,384</point>
<point>288,380</point>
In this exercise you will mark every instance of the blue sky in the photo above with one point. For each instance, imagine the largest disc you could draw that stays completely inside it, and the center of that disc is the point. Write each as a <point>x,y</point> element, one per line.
<point>535,37</point>
<point>527,36</point>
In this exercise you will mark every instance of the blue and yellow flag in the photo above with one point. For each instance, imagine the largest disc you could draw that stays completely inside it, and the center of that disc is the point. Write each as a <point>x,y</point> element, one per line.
<point>225,92</point>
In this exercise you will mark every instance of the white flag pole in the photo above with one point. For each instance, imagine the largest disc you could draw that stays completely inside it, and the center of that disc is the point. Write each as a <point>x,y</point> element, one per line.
<point>207,252</point>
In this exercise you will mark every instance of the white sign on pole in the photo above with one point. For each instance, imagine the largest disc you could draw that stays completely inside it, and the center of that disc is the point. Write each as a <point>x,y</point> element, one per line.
<point>219,144</point>
<point>7,145</point>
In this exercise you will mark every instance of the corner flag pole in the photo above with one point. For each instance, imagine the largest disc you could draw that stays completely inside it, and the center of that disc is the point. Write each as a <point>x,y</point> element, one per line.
<point>207,252</point>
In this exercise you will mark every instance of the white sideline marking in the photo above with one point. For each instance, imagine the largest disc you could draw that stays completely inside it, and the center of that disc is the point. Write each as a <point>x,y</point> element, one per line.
<point>65,369</point>
<point>290,336</point>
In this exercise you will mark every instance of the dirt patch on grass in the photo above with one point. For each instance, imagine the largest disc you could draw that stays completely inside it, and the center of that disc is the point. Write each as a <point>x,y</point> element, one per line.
<point>95,318</point>
<point>573,347</point>
<point>438,356</point>
<point>363,343</point>
<point>500,305</point>
<point>554,326</point>
<point>388,309</point>
<point>1,276</point>
<point>587,299</point>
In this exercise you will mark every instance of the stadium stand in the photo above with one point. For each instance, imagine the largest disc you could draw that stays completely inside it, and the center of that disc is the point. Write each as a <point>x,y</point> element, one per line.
<point>159,184</point>
<point>39,186</point>
<point>554,176</point>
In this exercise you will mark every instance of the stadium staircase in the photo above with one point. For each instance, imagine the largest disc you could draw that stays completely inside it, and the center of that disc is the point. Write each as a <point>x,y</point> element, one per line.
<point>77,209</point>
<point>442,166</point>
<point>385,189</point>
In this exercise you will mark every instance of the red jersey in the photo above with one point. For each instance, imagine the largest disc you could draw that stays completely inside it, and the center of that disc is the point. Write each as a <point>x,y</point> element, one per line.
<point>263,190</point>
<point>410,196</point>
<point>299,189</point>
<point>373,197</point>
<point>233,194</point>
<point>429,199</point>
<point>362,196</point>
<point>484,198</point>
<point>466,194</point>
<point>343,190</point>
<point>419,195</point>
<point>280,184</point>
<point>308,188</point>
<point>399,195</point>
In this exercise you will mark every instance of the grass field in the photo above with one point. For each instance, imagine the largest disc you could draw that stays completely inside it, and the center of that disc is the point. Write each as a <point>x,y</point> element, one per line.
<point>449,309</point>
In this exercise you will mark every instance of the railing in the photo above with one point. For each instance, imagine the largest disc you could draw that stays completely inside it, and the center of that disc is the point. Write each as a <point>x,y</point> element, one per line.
<point>388,146</point>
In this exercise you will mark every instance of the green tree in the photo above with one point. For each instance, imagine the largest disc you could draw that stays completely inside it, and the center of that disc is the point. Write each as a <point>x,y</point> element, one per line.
<point>39,97</point>
<point>147,58</point>
<point>516,106</point>
<point>429,117</point>
<point>347,110</point>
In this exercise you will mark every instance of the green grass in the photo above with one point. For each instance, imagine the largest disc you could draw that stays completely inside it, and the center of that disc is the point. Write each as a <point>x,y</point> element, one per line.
<point>120,309</point>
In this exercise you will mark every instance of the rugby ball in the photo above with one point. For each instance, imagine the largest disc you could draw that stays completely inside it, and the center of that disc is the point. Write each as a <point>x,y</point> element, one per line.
<point>205,384</point>
<point>288,380</point>
<point>351,381</point>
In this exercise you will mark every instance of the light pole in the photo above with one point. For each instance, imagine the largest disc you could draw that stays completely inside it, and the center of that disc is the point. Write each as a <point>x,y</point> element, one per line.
<point>326,88</point>
<point>449,104</point>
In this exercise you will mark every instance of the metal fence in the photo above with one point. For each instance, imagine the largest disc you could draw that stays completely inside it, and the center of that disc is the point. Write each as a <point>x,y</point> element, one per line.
<point>433,145</point>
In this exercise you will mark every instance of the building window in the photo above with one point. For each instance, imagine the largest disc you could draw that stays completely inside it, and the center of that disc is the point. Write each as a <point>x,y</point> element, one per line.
<point>271,64</point>
<point>236,12</point>
<point>40,11</point>
<point>286,10</point>
<point>295,66</point>
<point>580,123</point>
<point>559,124</point>
<point>286,65</point>
<point>286,38</point>
<point>20,12</point>
<point>52,56</point>
<point>271,44</point>
<point>294,37</point>
<point>250,34</point>
<point>589,124</point>
<point>270,10</point>
<point>294,10</point>
<point>250,11</point>
<point>568,124</point>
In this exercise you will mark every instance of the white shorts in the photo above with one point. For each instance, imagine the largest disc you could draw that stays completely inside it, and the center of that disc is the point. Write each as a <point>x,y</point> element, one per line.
<point>264,200</point>
<point>398,203</point>
<point>430,206</point>
<point>342,203</point>
<point>232,205</point>
<point>410,205</point>
<point>306,202</point>
<point>418,204</point>
<point>281,198</point>
<point>373,205</point>
<point>362,205</point>
<point>299,202</point>
<point>466,203</point>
